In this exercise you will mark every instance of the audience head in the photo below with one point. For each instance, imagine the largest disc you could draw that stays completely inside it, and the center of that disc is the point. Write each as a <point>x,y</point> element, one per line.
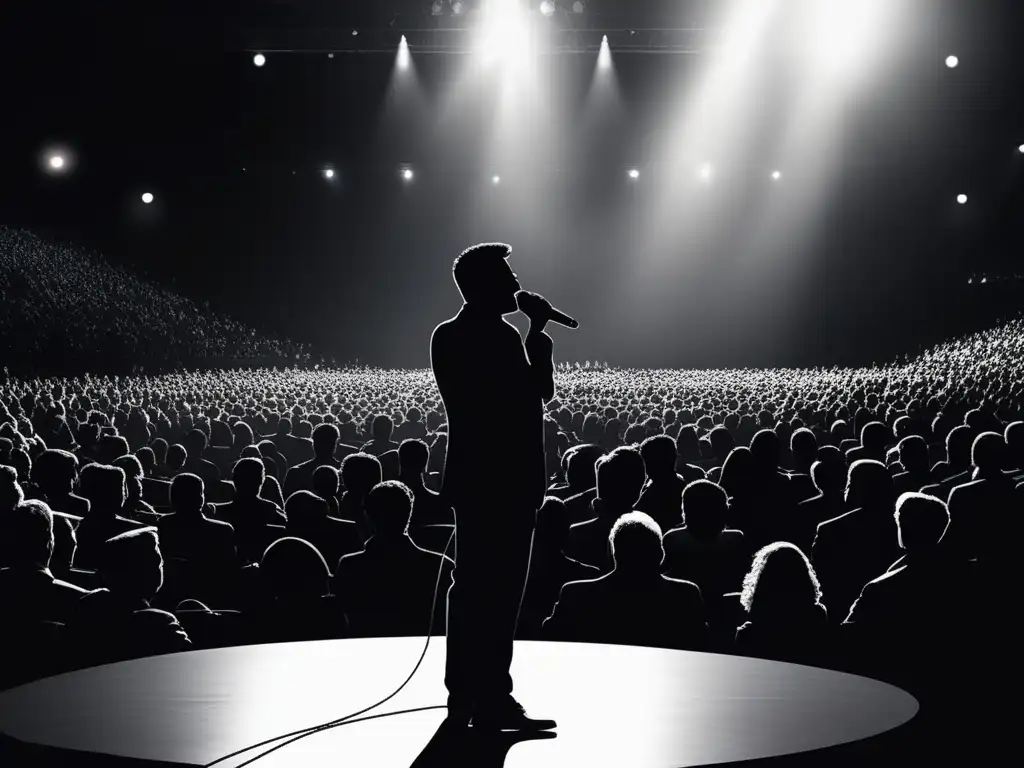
<point>26,535</point>
<point>325,440</point>
<point>988,453</point>
<point>326,481</point>
<point>552,532</point>
<point>105,487</point>
<point>359,473</point>
<point>636,544</point>
<point>11,493</point>
<point>659,455</point>
<point>413,455</point>
<point>55,472</point>
<point>176,457</point>
<point>780,580</point>
<point>248,475</point>
<point>132,565</point>
<point>389,506</point>
<point>292,568</point>
<point>304,510</point>
<point>705,507</point>
<point>581,466</point>
<point>804,447</point>
<point>869,485</point>
<point>738,473</point>
<point>132,468</point>
<point>922,521</point>
<point>829,477</point>
<point>620,479</point>
<point>187,494</point>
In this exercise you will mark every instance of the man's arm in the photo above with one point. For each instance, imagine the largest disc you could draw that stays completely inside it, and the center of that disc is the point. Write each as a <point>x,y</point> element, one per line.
<point>539,348</point>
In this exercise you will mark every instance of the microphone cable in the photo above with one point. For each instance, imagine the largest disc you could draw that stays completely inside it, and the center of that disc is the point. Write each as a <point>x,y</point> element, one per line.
<point>348,719</point>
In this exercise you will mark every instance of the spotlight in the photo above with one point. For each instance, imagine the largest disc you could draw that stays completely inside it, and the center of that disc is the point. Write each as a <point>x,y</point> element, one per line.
<point>961,199</point>
<point>634,173</point>
<point>437,8</point>
<point>147,197</point>
<point>952,61</point>
<point>579,6</point>
<point>1021,149</point>
<point>57,162</point>
<point>547,8</point>
<point>329,173</point>
<point>496,180</point>
<point>259,59</point>
<point>776,175</point>
<point>458,7</point>
<point>407,174</point>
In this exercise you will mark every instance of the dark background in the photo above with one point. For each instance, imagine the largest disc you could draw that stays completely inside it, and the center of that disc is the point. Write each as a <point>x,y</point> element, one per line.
<point>165,98</point>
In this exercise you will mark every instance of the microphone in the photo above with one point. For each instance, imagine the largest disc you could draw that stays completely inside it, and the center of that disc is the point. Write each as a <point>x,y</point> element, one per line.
<point>538,309</point>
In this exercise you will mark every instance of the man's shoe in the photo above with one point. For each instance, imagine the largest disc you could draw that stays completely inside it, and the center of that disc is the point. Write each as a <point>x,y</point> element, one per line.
<point>508,716</point>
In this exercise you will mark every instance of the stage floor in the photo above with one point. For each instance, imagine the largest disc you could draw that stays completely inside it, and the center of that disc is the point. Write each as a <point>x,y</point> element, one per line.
<point>616,706</point>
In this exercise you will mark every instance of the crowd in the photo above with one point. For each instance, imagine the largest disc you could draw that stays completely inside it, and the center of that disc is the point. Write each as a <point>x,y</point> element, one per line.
<point>859,519</point>
<point>64,306</point>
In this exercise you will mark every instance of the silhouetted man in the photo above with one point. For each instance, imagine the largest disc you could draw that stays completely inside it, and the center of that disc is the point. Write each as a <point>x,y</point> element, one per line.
<point>495,487</point>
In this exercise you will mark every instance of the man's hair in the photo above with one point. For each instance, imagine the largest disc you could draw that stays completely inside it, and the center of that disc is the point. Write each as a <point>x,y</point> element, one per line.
<point>326,436</point>
<point>620,476</point>
<point>705,507</point>
<point>249,472</point>
<point>636,541</point>
<point>473,265</point>
<point>389,507</point>
<point>922,520</point>
<point>54,466</point>
<point>988,451</point>
<point>104,484</point>
<point>360,471</point>
<point>659,455</point>
<point>186,490</point>
<point>413,455</point>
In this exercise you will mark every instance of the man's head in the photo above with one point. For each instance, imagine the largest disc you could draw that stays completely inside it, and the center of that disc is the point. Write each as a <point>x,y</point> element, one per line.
<point>636,543</point>
<point>659,455</point>
<point>922,521</point>
<point>131,564</point>
<point>325,440</point>
<point>988,452</point>
<point>248,476</point>
<point>26,535</point>
<point>705,508</point>
<point>620,478</point>
<point>360,472</point>
<point>485,279</point>
<point>105,487</point>
<point>389,506</point>
<point>381,428</point>
<point>187,494</point>
<point>413,456</point>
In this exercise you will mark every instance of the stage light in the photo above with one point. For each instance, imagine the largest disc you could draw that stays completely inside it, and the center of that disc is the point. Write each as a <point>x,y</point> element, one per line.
<point>634,173</point>
<point>952,61</point>
<point>57,162</point>
<point>1021,149</point>
<point>547,8</point>
<point>407,174</point>
<point>961,199</point>
<point>403,54</point>
<point>579,6</point>
<point>329,173</point>
<point>259,59</point>
<point>458,7</point>
<point>776,175</point>
<point>437,8</point>
<point>496,180</point>
<point>147,197</point>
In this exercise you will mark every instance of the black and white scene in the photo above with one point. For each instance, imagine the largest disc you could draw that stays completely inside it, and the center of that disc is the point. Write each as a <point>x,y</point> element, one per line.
<point>510,383</point>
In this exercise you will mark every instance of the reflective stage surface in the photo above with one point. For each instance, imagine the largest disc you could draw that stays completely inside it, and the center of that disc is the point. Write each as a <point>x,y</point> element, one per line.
<point>616,706</point>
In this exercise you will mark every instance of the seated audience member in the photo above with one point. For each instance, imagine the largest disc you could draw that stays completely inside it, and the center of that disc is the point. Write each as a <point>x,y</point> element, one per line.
<point>307,518</point>
<point>176,458</point>
<point>688,454</point>
<point>195,444</point>
<point>874,439</point>
<point>956,469</point>
<point>829,478</point>
<point>620,479</point>
<point>386,590</point>
<point>901,605</point>
<point>28,590</point>
<point>327,485</point>
<point>850,550</point>
<point>381,443</point>
<point>703,550</point>
<point>116,622</point>
<point>550,568</point>
<point>581,477</point>
<point>427,507</point>
<point>134,507</point>
<point>249,514</point>
<point>325,443</point>
<point>984,509</point>
<point>360,472</point>
<point>662,496</point>
<point>634,604</point>
<point>803,446</point>
<point>54,474</point>
<point>295,602</point>
<point>105,488</point>
<point>913,473</point>
<point>782,599</point>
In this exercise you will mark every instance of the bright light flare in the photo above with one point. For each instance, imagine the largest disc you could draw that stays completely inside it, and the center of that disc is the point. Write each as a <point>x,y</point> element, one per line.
<point>952,62</point>
<point>147,197</point>
<point>329,173</point>
<point>259,59</point>
<point>962,199</point>
<point>505,33</point>
<point>407,174</point>
<point>496,180</point>
<point>776,175</point>
<point>634,173</point>
<point>404,57</point>
<point>604,56</point>
<point>1021,149</point>
<point>845,38</point>
<point>706,172</point>
<point>57,162</point>
<point>547,8</point>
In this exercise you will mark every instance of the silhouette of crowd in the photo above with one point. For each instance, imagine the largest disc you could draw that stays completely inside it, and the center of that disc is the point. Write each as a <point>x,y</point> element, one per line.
<point>65,306</point>
<point>860,519</point>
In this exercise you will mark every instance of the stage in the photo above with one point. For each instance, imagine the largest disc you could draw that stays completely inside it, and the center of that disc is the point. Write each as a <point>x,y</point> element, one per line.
<point>618,706</point>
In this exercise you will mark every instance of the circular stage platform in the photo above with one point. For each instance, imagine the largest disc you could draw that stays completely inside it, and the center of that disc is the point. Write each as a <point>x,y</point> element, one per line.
<point>616,706</point>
